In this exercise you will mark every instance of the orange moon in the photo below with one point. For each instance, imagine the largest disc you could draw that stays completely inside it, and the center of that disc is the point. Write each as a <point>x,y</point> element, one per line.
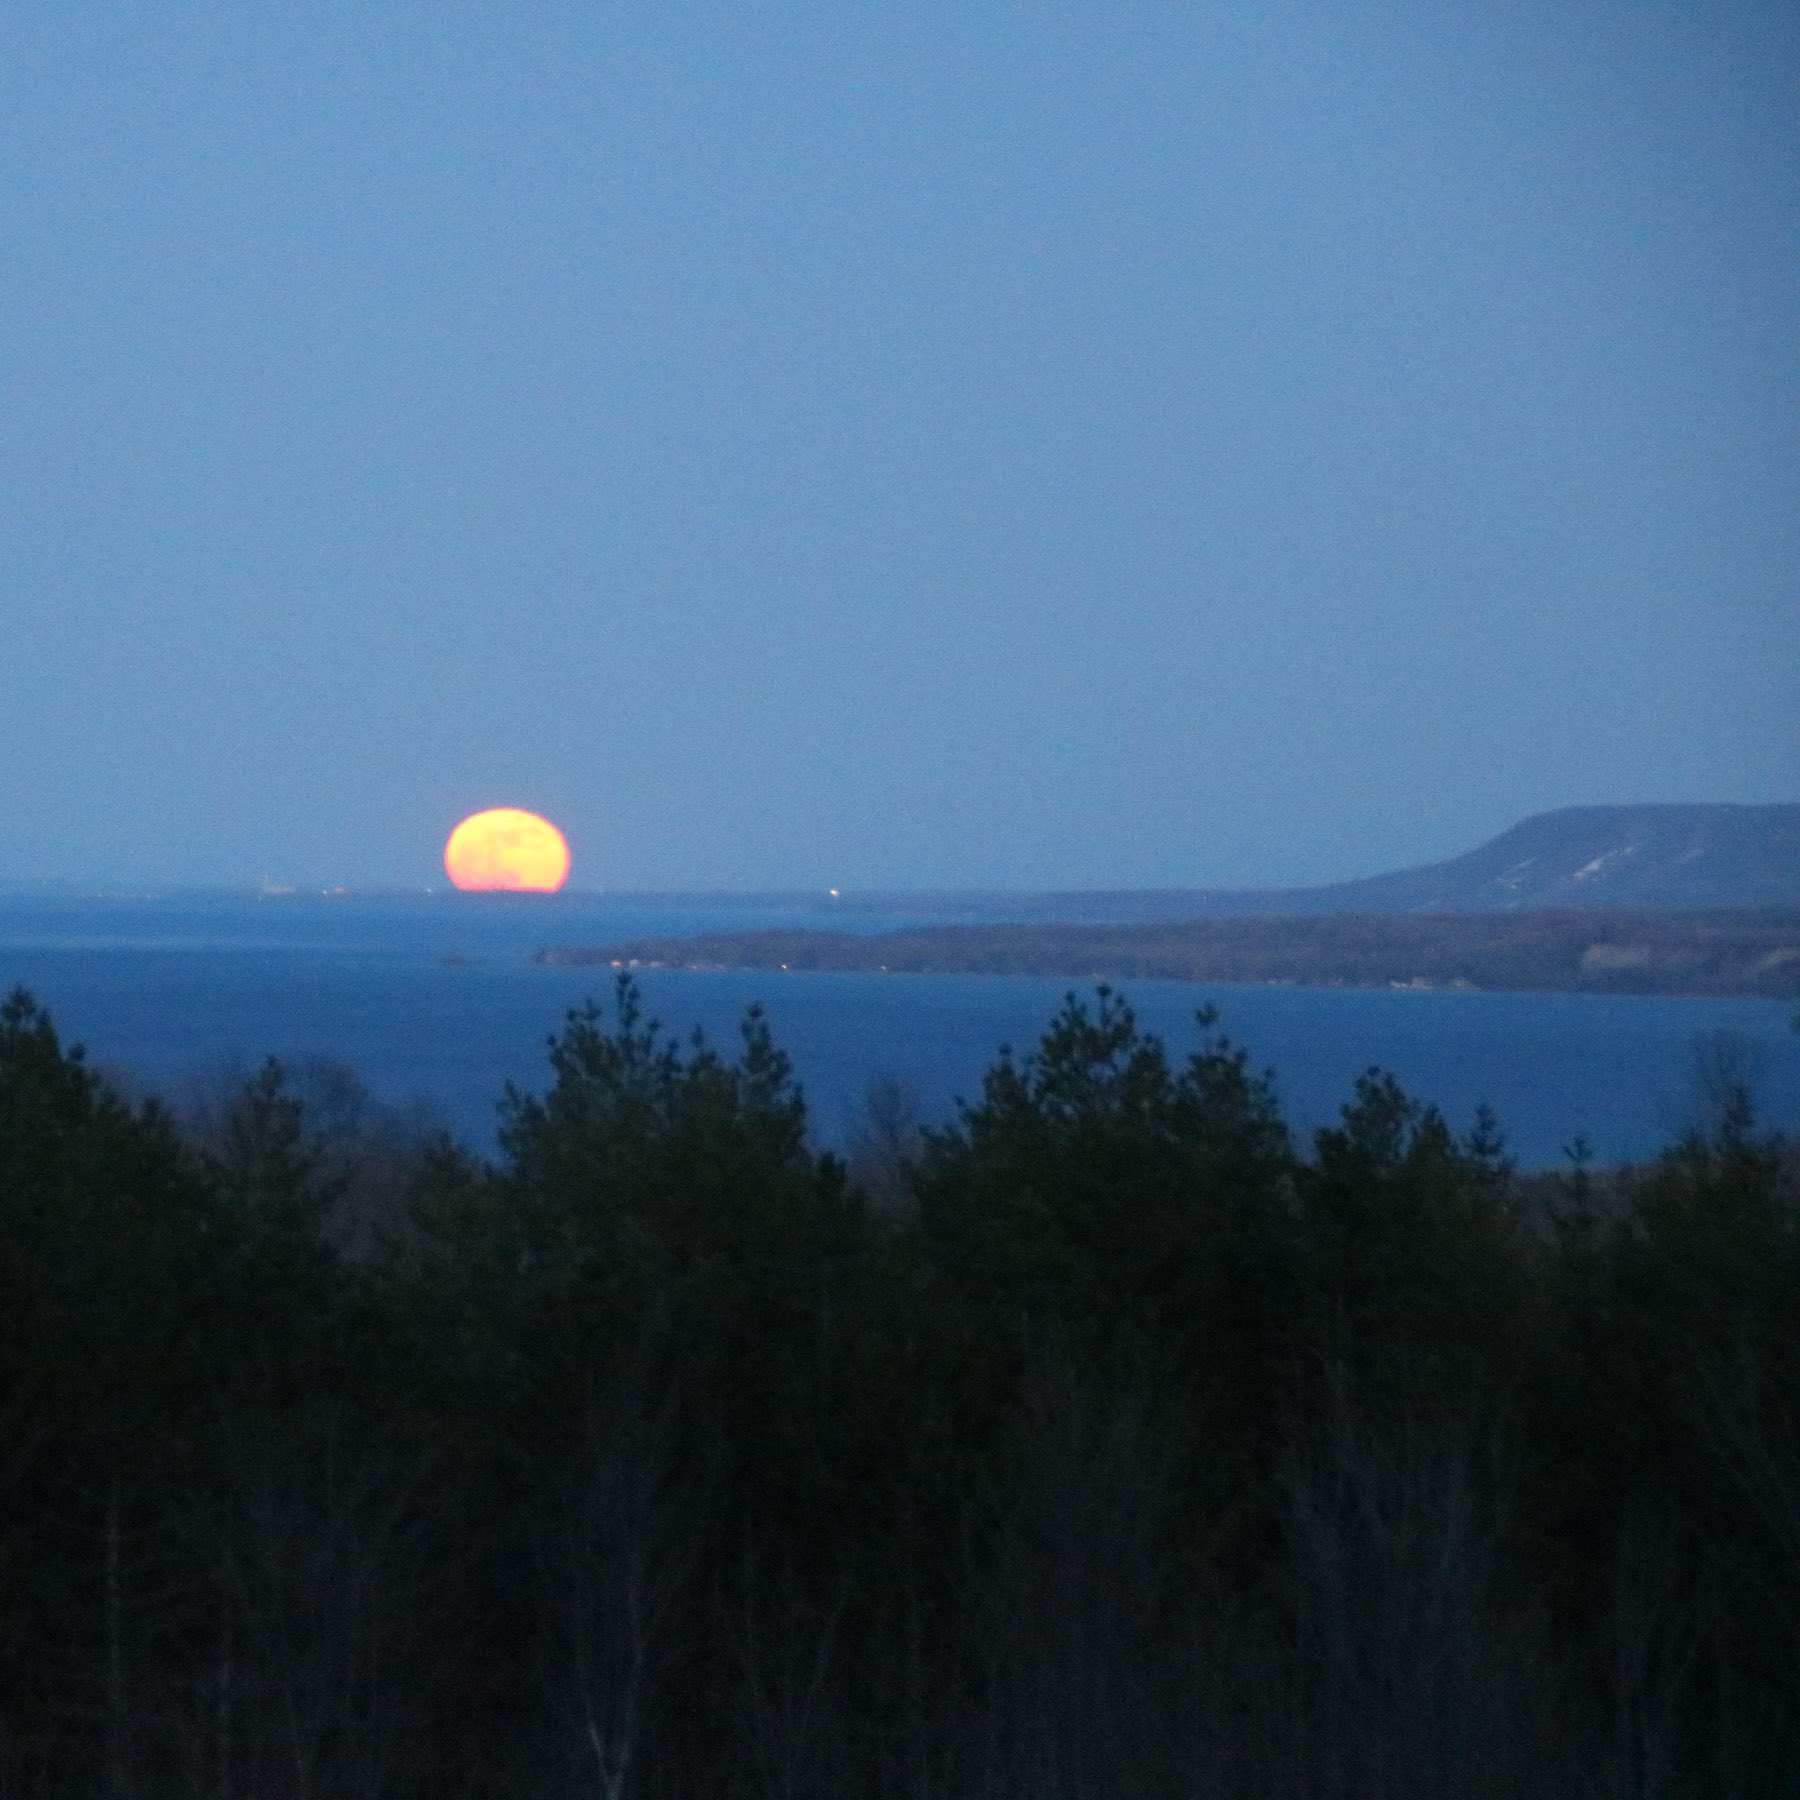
<point>506,848</point>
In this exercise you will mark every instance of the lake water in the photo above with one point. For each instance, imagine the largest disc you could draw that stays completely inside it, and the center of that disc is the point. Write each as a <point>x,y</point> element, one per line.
<point>435,997</point>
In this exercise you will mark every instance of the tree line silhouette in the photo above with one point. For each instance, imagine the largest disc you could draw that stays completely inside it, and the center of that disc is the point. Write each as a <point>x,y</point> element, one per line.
<point>1105,1441</point>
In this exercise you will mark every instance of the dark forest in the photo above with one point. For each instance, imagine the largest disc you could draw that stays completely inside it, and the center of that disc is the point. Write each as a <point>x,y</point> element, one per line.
<point>1105,1441</point>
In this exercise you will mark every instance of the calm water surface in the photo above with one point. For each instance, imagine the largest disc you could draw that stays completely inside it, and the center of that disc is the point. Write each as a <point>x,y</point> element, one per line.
<point>436,998</point>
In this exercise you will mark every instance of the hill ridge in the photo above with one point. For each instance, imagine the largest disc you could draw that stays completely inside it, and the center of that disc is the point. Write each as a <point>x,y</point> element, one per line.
<point>1656,855</point>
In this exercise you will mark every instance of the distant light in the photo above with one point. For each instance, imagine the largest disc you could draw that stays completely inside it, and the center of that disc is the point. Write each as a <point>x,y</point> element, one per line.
<point>832,892</point>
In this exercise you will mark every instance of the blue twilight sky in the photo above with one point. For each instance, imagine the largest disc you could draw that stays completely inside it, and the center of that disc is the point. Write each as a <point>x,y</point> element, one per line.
<point>992,444</point>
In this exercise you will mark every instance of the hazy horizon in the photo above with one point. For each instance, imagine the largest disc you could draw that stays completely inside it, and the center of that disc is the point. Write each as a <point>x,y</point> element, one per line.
<point>978,449</point>
<point>271,887</point>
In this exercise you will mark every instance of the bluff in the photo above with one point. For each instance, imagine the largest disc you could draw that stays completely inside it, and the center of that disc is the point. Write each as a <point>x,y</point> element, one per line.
<point>1589,858</point>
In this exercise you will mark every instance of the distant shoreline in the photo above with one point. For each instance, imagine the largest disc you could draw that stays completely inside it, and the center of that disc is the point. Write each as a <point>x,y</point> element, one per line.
<point>1750,952</point>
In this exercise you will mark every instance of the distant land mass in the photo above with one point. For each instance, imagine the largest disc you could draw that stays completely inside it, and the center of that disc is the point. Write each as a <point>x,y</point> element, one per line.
<point>1752,952</point>
<point>1584,857</point>
<point>1602,899</point>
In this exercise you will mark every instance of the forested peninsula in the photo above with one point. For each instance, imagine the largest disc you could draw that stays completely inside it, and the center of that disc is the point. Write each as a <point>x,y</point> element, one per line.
<point>1748,951</point>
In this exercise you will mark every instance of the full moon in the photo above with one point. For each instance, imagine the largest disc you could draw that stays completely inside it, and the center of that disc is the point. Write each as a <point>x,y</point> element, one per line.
<point>506,848</point>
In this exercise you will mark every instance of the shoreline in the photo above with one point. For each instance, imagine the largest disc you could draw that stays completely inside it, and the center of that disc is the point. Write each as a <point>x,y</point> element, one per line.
<point>1741,953</point>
